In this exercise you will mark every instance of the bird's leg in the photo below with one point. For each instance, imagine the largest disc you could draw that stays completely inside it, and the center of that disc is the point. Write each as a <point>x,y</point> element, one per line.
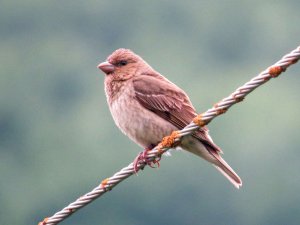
<point>142,157</point>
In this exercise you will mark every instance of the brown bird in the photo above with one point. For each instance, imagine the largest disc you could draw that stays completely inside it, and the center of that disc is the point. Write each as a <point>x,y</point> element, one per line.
<point>146,107</point>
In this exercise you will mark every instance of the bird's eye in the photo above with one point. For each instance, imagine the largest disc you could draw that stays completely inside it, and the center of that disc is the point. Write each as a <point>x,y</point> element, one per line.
<point>122,63</point>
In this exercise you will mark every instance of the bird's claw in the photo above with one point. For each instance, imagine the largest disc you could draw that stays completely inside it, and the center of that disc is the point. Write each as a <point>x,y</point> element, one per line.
<point>141,160</point>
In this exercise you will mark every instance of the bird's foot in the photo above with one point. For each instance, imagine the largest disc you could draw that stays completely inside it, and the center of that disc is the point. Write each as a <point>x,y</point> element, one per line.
<point>142,158</point>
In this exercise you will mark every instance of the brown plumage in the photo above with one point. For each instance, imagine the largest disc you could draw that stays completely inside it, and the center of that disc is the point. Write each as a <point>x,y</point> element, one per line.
<point>146,107</point>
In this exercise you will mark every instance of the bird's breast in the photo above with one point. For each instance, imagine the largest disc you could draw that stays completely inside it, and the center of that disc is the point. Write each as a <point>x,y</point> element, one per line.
<point>138,123</point>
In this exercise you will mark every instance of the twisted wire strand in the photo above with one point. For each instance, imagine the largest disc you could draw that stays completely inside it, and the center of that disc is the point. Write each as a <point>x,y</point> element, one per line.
<point>170,141</point>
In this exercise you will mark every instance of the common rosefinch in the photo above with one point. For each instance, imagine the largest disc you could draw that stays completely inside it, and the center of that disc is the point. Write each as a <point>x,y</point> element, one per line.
<point>146,107</point>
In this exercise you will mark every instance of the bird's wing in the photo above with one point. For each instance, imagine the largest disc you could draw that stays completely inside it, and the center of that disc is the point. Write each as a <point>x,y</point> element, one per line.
<point>169,102</point>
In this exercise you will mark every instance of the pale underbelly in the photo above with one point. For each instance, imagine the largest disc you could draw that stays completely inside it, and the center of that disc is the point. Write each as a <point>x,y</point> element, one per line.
<point>139,124</point>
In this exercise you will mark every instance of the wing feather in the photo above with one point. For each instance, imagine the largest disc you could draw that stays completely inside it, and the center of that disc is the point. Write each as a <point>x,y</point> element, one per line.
<point>165,99</point>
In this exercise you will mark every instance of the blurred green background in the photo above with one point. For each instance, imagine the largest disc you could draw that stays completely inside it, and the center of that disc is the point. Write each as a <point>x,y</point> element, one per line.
<point>58,140</point>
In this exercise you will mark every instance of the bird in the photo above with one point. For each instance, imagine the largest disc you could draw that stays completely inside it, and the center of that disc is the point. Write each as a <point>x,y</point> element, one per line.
<point>146,107</point>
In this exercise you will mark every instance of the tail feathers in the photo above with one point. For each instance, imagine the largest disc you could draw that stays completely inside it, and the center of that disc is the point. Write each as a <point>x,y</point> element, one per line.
<point>231,176</point>
<point>205,148</point>
<point>227,171</point>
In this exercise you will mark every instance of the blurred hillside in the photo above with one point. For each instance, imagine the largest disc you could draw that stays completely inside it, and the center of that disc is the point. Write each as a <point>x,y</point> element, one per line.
<point>58,140</point>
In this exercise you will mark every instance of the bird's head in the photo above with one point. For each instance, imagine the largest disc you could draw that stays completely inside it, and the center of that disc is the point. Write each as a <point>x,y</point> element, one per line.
<point>123,64</point>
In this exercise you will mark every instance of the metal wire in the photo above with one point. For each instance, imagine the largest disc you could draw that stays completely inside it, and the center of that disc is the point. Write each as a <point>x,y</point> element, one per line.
<point>202,119</point>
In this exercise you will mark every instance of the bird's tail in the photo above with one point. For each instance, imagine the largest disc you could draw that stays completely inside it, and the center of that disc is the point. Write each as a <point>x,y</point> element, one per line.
<point>204,147</point>
<point>226,170</point>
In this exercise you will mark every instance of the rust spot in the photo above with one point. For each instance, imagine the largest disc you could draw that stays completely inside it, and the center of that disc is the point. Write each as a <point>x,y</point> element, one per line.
<point>44,222</point>
<point>199,121</point>
<point>275,71</point>
<point>169,141</point>
<point>294,61</point>
<point>237,99</point>
<point>104,182</point>
<point>71,210</point>
<point>221,111</point>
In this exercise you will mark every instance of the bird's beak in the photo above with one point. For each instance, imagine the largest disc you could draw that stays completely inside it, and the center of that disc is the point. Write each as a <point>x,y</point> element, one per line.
<point>106,67</point>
